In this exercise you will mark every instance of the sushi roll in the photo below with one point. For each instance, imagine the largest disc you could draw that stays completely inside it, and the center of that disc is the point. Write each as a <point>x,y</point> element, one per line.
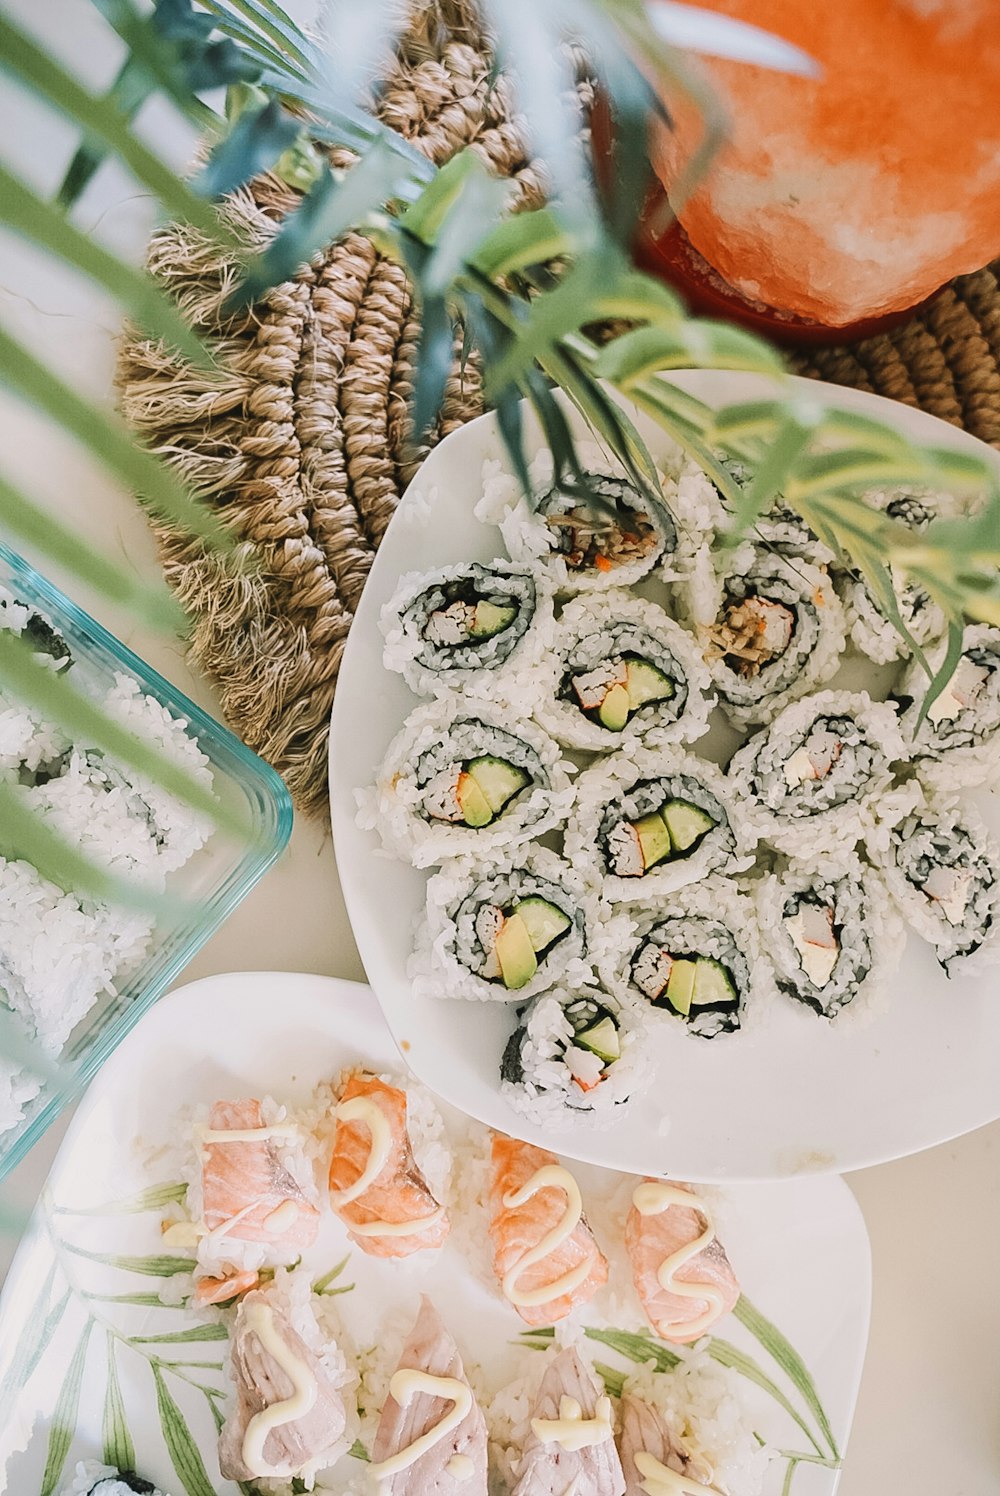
<point>943,871</point>
<point>772,630</point>
<point>504,933</point>
<point>582,545</point>
<point>648,823</point>
<point>545,1258</point>
<point>958,741</point>
<point>832,935</point>
<point>870,630</point>
<point>695,958</point>
<point>778,528</point>
<point>574,1051</point>
<point>464,779</point>
<point>91,1478</point>
<point>622,671</point>
<point>809,780</point>
<point>469,628</point>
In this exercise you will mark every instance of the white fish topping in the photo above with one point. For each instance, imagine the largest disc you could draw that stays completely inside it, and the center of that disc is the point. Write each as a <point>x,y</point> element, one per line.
<point>451,625</point>
<point>960,692</point>
<point>440,797</point>
<point>949,887</point>
<point>651,971</point>
<point>810,930</point>
<point>260,1319</point>
<point>625,851</point>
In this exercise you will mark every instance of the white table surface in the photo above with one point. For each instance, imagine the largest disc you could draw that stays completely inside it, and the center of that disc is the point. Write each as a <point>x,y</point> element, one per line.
<point>928,1421</point>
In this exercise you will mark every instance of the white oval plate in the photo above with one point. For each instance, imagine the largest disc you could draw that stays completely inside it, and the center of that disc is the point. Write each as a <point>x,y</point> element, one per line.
<point>72,1353</point>
<point>806,1097</point>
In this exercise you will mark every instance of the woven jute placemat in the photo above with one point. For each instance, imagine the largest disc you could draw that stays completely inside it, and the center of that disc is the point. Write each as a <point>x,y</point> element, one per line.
<point>299,438</point>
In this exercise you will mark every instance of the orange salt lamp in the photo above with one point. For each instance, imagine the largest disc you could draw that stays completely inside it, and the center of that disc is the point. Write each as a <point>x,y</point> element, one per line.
<point>862,190</point>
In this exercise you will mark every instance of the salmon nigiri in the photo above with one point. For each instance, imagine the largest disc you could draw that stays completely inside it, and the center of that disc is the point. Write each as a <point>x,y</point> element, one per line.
<point>544,1254</point>
<point>375,1185</point>
<point>248,1193</point>
<point>680,1268</point>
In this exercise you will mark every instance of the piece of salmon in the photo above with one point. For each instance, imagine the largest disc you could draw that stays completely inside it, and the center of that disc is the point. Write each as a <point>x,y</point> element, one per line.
<point>399,1193</point>
<point>650,1240</point>
<point>247,1184</point>
<point>310,1438</point>
<point>644,1431</point>
<point>456,1463</point>
<point>516,1230</point>
<point>547,1467</point>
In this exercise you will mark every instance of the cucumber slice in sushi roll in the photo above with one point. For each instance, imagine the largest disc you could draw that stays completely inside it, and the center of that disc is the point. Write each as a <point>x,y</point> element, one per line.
<point>832,935</point>
<point>772,631</point>
<point>958,741</point>
<point>622,671</point>
<point>870,630</point>
<point>942,869</point>
<point>504,933</point>
<point>648,823</point>
<point>582,546</point>
<point>695,958</point>
<point>575,1052</point>
<point>808,782</point>
<point>465,779</point>
<point>469,628</point>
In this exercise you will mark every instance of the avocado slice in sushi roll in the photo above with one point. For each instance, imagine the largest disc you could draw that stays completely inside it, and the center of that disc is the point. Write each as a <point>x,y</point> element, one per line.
<point>516,938</point>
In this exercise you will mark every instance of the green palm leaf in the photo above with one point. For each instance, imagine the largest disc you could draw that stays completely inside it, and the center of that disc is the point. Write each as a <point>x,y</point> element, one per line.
<point>116,1440</point>
<point>195,1333</point>
<point>153,1198</point>
<point>181,1447</point>
<point>155,1266</point>
<point>19,1371</point>
<point>788,1358</point>
<point>64,1416</point>
<point>127,94</point>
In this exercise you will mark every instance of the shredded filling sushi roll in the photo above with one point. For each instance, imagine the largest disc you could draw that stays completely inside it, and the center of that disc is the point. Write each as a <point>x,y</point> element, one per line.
<point>432,1434</point>
<point>622,670</point>
<point>468,627</point>
<point>832,936</point>
<point>504,933</point>
<point>695,958</point>
<point>958,742</point>
<point>94,1479</point>
<point>808,781</point>
<point>376,1187</point>
<point>870,630</point>
<point>779,529</point>
<point>680,1268</point>
<point>254,1200</point>
<point>772,630</point>
<point>648,823</point>
<point>569,1444</point>
<point>545,1258</point>
<point>290,1418</point>
<point>654,1456</point>
<point>943,870</point>
<point>465,780</point>
<point>574,1051</point>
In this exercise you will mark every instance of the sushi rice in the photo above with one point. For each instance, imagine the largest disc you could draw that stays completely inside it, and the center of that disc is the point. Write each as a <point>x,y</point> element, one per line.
<point>455,658</point>
<point>809,782</point>
<point>632,785</point>
<point>958,742</point>
<point>530,539</point>
<point>772,630</point>
<point>450,959</point>
<point>608,627</point>
<point>436,740</point>
<point>942,868</point>
<point>712,922</point>
<point>544,1070</point>
<point>850,975</point>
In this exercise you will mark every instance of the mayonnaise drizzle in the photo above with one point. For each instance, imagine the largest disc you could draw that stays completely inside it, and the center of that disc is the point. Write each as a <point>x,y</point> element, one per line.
<point>260,1319</point>
<point>404,1386</point>
<point>363,1109</point>
<point>250,1134</point>
<point>653,1198</point>
<point>399,1228</point>
<point>550,1175</point>
<point>660,1480</point>
<point>282,1218</point>
<point>571,1430</point>
<point>460,1467</point>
